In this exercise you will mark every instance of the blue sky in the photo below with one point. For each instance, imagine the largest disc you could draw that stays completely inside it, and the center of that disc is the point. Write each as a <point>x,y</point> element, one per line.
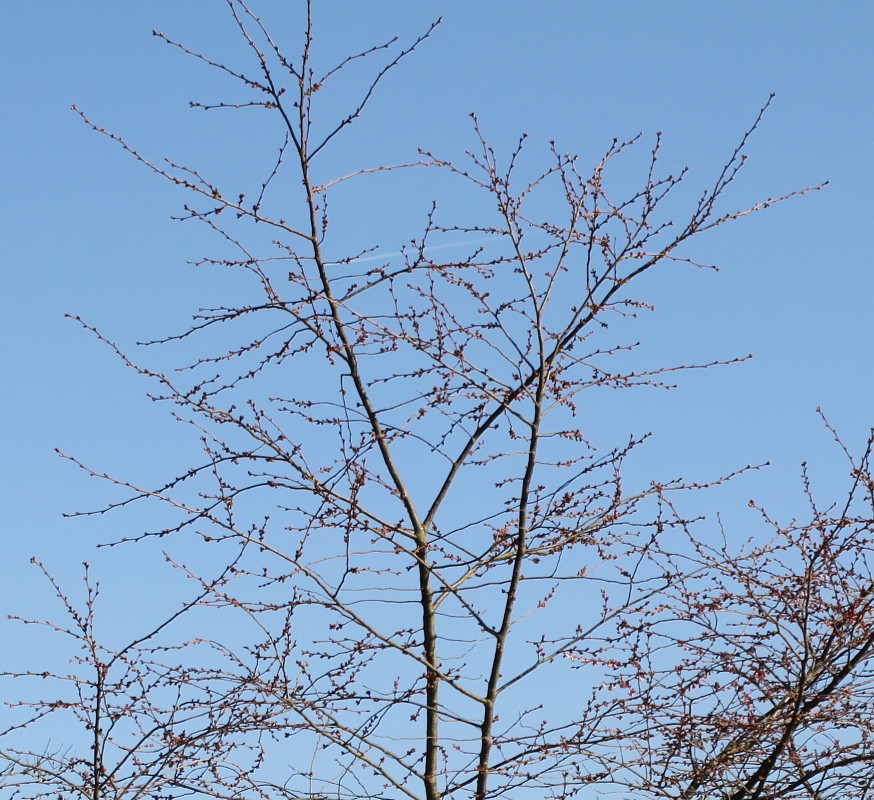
<point>86,231</point>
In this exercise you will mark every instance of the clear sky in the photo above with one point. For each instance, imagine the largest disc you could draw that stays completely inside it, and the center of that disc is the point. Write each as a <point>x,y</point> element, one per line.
<point>87,231</point>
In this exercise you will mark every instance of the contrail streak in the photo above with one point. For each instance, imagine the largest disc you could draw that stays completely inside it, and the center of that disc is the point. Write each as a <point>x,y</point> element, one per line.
<point>384,256</point>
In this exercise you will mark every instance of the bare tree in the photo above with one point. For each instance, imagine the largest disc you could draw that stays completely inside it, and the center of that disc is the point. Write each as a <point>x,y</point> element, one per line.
<point>753,678</point>
<point>414,533</point>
